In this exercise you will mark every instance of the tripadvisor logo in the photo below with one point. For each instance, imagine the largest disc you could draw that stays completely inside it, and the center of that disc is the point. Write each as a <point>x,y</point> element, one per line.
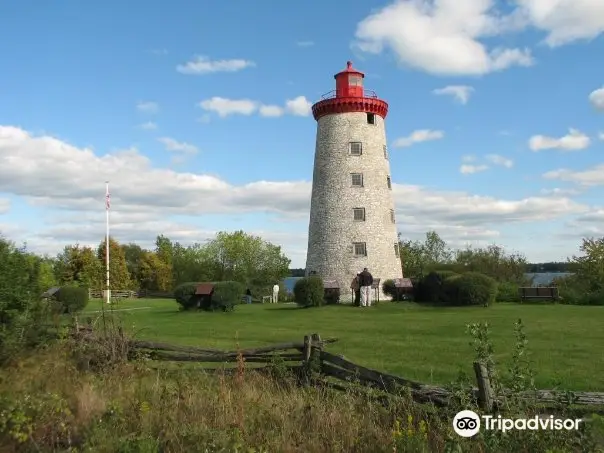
<point>467,423</point>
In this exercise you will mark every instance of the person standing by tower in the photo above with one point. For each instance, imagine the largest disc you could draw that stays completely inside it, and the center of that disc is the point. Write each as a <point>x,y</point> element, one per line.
<point>365,282</point>
<point>356,290</point>
<point>275,293</point>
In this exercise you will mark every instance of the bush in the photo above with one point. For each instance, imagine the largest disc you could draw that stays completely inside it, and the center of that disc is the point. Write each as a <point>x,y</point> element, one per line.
<point>508,292</point>
<point>471,288</point>
<point>431,288</point>
<point>309,292</point>
<point>332,296</point>
<point>389,289</point>
<point>71,299</point>
<point>185,295</point>
<point>594,298</point>
<point>572,291</point>
<point>226,295</point>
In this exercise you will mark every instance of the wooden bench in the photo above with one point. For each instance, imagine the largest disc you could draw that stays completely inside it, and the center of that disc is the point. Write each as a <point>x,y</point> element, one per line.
<point>549,293</point>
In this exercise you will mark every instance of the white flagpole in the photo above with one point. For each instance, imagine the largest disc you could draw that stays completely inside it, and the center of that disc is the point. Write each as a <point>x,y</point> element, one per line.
<point>107,206</point>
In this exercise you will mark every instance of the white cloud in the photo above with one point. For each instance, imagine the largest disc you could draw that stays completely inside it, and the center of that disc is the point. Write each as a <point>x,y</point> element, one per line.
<point>177,147</point>
<point>500,160</point>
<point>225,107</point>
<point>468,158</point>
<point>299,106</point>
<point>203,65</point>
<point>4,206</point>
<point>601,135</point>
<point>564,21</point>
<point>149,125</point>
<point>204,119</point>
<point>596,98</point>
<point>443,37</point>
<point>560,192</point>
<point>147,107</point>
<point>575,140</point>
<point>467,169</point>
<point>460,92</point>
<point>453,36</point>
<point>591,177</point>
<point>47,173</point>
<point>270,110</point>
<point>305,43</point>
<point>418,136</point>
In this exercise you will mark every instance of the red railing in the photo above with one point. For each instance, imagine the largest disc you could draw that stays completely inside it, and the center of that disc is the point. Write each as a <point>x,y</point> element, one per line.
<point>366,93</point>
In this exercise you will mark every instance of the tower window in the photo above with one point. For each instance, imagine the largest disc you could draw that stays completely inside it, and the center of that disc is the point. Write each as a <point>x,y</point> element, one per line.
<point>359,214</point>
<point>356,179</point>
<point>385,152</point>
<point>389,182</point>
<point>355,80</point>
<point>355,148</point>
<point>396,249</point>
<point>371,118</point>
<point>392,217</point>
<point>359,248</point>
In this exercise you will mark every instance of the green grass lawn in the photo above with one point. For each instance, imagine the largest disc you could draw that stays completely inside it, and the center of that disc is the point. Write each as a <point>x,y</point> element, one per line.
<point>422,343</point>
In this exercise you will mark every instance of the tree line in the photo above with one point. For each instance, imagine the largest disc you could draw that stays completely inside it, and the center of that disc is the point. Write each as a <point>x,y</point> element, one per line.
<point>584,285</point>
<point>233,256</point>
<point>252,261</point>
<point>433,253</point>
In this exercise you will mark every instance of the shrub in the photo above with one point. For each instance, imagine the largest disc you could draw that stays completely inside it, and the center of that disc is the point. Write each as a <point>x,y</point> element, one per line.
<point>309,292</point>
<point>226,295</point>
<point>431,288</point>
<point>389,289</point>
<point>332,296</point>
<point>508,292</point>
<point>471,288</point>
<point>594,298</point>
<point>185,295</point>
<point>71,299</point>
<point>572,291</point>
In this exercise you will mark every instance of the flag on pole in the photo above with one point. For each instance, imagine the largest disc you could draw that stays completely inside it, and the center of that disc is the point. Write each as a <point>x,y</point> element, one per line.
<point>107,200</point>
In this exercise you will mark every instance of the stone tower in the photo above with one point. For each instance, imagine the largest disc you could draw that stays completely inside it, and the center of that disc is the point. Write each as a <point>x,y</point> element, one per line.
<point>352,218</point>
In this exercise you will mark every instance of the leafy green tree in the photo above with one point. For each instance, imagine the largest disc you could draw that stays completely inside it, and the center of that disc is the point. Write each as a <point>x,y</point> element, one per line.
<point>21,312</point>
<point>247,259</point>
<point>436,251</point>
<point>153,273</point>
<point>164,248</point>
<point>589,268</point>
<point>492,261</point>
<point>133,253</point>
<point>419,258</point>
<point>78,266</point>
<point>119,277</point>
<point>192,263</point>
<point>412,258</point>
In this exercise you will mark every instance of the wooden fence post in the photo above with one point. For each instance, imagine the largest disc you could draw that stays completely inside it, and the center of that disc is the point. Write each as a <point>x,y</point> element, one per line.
<point>316,346</point>
<point>485,392</point>
<point>307,350</point>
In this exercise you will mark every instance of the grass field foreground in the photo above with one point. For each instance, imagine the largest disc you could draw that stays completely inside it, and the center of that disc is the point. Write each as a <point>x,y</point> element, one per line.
<point>423,343</point>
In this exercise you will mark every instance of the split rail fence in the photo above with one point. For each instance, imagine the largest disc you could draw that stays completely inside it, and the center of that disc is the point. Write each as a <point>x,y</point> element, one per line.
<point>303,357</point>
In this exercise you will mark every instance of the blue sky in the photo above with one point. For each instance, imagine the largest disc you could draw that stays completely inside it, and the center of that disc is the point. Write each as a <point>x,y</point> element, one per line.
<point>198,114</point>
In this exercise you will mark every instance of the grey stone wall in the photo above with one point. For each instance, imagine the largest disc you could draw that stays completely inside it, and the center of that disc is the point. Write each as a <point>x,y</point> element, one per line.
<point>332,228</point>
